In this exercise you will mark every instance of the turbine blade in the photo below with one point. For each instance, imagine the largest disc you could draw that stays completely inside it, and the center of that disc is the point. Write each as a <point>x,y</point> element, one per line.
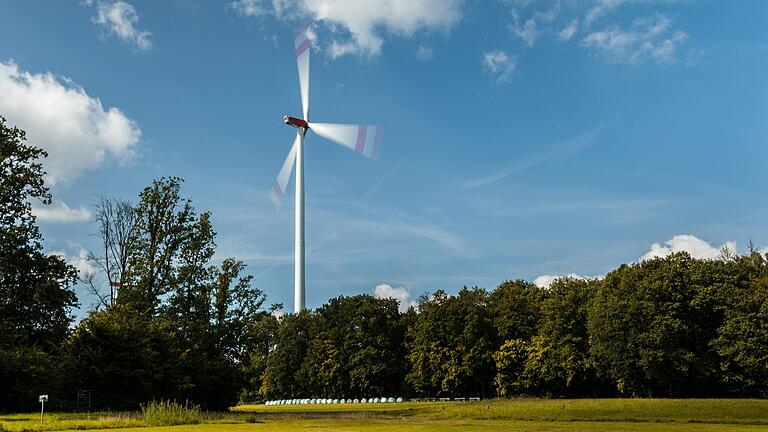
<point>278,189</point>
<point>360,138</point>
<point>303,45</point>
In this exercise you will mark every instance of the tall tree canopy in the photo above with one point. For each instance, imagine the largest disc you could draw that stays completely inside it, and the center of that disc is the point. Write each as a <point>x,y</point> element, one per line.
<point>451,344</point>
<point>189,321</point>
<point>36,294</point>
<point>357,348</point>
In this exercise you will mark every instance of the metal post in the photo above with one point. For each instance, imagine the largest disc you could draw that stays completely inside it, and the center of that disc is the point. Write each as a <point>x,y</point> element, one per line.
<point>298,304</point>
<point>42,408</point>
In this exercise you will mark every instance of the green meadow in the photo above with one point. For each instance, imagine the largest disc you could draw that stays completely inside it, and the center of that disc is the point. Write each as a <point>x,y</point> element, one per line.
<point>495,415</point>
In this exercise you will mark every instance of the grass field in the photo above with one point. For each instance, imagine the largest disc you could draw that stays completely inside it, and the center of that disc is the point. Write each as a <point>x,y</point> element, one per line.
<point>496,415</point>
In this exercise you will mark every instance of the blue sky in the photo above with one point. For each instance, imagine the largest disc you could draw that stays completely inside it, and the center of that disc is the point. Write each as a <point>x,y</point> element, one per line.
<point>521,139</point>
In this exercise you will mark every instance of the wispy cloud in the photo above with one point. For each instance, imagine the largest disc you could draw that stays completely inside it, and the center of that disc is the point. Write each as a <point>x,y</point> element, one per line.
<point>424,52</point>
<point>602,8</point>
<point>527,31</point>
<point>60,212</point>
<point>649,38</point>
<point>646,39</point>
<point>121,19</point>
<point>569,30</point>
<point>393,226</point>
<point>562,149</point>
<point>371,190</point>
<point>500,64</point>
<point>252,8</point>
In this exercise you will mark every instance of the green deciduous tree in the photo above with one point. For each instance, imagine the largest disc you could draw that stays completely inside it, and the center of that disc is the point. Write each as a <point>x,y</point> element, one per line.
<point>283,375</point>
<point>124,358</point>
<point>558,360</point>
<point>451,343</point>
<point>742,339</point>
<point>649,326</point>
<point>357,349</point>
<point>516,309</point>
<point>36,295</point>
<point>261,338</point>
<point>169,282</point>
<point>510,361</point>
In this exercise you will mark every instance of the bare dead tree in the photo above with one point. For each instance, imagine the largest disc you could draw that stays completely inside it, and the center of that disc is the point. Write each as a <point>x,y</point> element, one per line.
<point>117,221</point>
<point>727,254</point>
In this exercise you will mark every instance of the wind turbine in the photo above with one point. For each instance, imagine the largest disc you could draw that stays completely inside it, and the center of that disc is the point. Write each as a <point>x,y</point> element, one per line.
<point>360,138</point>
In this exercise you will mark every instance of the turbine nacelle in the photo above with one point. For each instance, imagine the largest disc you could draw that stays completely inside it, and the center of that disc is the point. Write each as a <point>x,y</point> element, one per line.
<point>296,122</point>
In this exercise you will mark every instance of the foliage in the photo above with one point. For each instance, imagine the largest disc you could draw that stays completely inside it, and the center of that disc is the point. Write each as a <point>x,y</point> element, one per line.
<point>516,309</point>
<point>558,360</point>
<point>742,339</point>
<point>36,295</point>
<point>186,322</point>
<point>357,349</point>
<point>283,375</point>
<point>510,362</point>
<point>261,339</point>
<point>650,325</point>
<point>123,358</point>
<point>451,343</point>
<point>171,413</point>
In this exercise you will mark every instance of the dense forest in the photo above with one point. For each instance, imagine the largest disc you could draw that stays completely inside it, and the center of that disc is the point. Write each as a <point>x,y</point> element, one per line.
<point>173,323</point>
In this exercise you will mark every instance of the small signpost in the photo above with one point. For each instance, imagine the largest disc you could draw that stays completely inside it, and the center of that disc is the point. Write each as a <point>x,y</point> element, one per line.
<point>43,400</point>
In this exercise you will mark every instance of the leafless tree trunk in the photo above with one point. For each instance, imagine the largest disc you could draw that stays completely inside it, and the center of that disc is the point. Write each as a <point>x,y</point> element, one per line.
<point>117,221</point>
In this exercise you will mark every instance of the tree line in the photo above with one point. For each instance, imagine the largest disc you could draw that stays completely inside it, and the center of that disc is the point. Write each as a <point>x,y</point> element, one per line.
<point>174,323</point>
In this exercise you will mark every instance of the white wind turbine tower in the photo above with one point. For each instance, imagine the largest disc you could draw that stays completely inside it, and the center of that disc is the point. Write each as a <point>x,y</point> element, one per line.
<point>360,138</point>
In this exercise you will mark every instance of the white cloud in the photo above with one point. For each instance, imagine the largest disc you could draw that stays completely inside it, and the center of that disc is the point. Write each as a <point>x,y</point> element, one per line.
<point>500,64</point>
<point>601,8</point>
<point>604,7</point>
<point>545,281</point>
<point>120,18</point>
<point>358,26</point>
<point>60,212</point>
<point>60,117</point>
<point>695,247</point>
<point>249,7</point>
<point>400,294</point>
<point>527,32</point>
<point>80,261</point>
<point>647,39</point>
<point>569,30</point>
<point>424,52</point>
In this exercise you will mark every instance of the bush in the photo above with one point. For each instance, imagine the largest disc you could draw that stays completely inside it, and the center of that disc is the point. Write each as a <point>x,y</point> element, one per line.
<point>252,419</point>
<point>170,413</point>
